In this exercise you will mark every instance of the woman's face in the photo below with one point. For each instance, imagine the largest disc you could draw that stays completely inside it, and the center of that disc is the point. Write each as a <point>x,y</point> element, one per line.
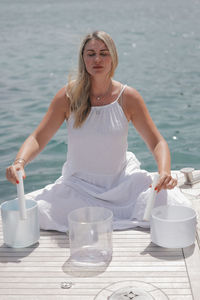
<point>97,58</point>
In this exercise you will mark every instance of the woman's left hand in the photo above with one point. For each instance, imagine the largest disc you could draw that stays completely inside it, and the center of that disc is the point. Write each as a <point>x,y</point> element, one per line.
<point>166,181</point>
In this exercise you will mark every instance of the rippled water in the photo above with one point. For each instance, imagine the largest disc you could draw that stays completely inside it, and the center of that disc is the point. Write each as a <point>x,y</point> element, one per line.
<point>159,51</point>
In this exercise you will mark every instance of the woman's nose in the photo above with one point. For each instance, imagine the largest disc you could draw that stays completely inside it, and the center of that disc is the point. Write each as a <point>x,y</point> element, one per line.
<point>97,58</point>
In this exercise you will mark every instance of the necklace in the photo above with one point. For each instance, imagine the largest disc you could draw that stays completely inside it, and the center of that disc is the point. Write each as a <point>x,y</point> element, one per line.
<point>100,97</point>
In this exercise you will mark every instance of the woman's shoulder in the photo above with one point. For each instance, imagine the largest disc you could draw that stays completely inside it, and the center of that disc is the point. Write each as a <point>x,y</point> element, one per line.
<point>61,100</point>
<point>132,101</point>
<point>131,96</point>
<point>131,93</point>
<point>61,95</point>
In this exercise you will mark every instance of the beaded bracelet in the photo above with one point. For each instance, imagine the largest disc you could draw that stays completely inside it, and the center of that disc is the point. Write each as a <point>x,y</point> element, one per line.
<point>19,161</point>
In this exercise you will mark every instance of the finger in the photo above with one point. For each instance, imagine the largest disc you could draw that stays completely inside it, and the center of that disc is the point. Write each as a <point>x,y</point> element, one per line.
<point>14,174</point>
<point>162,184</point>
<point>10,175</point>
<point>23,174</point>
<point>173,182</point>
<point>19,167</point>
<point>169,184</point>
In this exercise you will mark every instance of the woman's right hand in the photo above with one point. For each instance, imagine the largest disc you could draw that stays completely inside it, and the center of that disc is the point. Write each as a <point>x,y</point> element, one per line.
<point>11,172</point>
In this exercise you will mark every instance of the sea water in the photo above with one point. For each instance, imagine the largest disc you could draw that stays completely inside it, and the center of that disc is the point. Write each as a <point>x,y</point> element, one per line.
<point>159,54</point>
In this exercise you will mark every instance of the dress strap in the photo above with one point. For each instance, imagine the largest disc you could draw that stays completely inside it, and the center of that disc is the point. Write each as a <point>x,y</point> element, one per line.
<point>120,94</point>
<point>123,88</point>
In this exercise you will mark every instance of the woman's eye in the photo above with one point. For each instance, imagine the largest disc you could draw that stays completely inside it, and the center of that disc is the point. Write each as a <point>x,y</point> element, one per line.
<point>102,54</point>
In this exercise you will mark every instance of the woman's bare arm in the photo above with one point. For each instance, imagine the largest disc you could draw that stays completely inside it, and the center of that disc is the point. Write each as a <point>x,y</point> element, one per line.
<point>57,112</point>
<point>137,112</point>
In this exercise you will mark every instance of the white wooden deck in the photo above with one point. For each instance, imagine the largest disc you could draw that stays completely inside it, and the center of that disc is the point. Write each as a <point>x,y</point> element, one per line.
<point>37,272</point>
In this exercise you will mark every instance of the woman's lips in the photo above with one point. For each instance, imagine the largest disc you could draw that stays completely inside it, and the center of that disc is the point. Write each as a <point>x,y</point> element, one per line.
<point>97,67</point>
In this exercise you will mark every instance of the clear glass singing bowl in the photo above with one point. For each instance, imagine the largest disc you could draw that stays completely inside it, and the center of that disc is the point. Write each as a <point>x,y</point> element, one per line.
<point>90,236</point>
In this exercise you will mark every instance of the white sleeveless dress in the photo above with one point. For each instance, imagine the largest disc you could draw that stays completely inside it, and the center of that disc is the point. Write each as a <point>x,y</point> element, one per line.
<point>99,171</point>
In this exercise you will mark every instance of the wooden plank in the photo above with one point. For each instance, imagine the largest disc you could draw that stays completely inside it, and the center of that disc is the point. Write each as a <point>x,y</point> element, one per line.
<point>85,285</point>
<point>165,281</point>
<point>181,297</point>
<point>130,264</point>
<point>193,268</point>
<point>127,257</point>
<point>107,274</point>
<point>48,297</point>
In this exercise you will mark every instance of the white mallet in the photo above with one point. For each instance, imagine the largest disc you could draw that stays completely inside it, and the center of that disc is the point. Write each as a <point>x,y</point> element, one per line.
<point>21,198</point>
<point>151,199</point>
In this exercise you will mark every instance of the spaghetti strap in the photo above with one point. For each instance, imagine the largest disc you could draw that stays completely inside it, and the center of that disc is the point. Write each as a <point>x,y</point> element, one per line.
<point>123,88</point>
<point>119,98</point>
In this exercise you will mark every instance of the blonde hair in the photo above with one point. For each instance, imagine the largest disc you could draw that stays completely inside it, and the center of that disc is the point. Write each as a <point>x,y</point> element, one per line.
<point>78,90</point>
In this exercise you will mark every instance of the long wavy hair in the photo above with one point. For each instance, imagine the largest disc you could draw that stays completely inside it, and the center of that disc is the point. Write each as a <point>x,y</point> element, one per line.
<point>78,89</point>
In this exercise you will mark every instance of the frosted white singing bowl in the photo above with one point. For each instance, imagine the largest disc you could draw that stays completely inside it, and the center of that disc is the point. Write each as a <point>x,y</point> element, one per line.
<point>173,226</point>
<point>18,232</point>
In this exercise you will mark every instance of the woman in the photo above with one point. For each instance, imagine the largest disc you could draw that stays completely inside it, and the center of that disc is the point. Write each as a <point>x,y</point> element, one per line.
<point>98,171</point>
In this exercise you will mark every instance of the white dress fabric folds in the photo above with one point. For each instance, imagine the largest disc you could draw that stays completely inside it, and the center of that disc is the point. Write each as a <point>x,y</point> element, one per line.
<point>99,171</point>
